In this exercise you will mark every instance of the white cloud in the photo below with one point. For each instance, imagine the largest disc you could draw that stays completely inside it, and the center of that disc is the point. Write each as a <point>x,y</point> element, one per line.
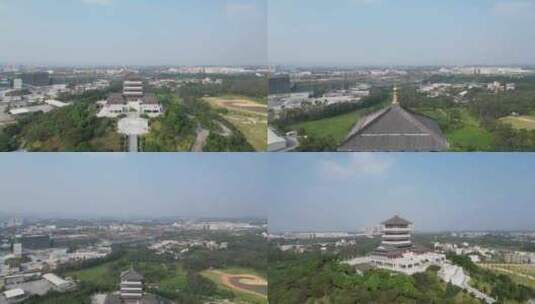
<point>98,2</point>
<point>359,164</point>
<point>513,7</point>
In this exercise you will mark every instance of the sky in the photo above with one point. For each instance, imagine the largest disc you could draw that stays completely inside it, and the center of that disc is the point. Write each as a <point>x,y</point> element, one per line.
<point>127,185</point>
<point>133,32</point>
<point>401,32</point>
<point>437,192</point>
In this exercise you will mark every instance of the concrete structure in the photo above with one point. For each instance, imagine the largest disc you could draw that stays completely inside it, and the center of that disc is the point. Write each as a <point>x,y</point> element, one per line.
<point>395,129</point>
<point>56,103</point>
<point>15,295</point>
<point>58,283</point>
<point>279,84</point>
<point>275,142</point>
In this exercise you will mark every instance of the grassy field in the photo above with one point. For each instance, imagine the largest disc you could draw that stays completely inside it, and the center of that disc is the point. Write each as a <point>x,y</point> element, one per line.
<point>102,276</point>
<point>242,297</point>
<point>520,274</point>
<point>247,115</point>
<point>469,136</point>
<point>520,122</point>
<point>177,281</point>
<point>337,127</point>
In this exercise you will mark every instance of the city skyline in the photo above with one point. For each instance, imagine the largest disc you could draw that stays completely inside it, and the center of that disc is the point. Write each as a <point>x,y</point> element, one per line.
<point>448,192</point>
<point>121,32</point>
<point>122,185</point>
<point>410,33</point>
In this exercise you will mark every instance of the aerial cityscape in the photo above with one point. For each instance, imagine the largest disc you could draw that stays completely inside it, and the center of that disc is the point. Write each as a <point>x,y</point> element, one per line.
<point>267,151</point>
<point>72,92</point>
<point>390,76</point>
<point>164,241</point>
<point>447,232</point>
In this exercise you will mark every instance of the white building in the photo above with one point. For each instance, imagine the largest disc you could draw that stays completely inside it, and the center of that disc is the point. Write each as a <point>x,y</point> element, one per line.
<point>17,84</point>
<point>397,253</point>
<point>59,283</point>
<point>17,249</point>
<point>133,98</point>
<point>15,295</point>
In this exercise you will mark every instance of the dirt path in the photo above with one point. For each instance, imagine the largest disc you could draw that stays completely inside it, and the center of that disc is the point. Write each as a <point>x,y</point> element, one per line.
<point>200,141</point>
<point>233,281</point>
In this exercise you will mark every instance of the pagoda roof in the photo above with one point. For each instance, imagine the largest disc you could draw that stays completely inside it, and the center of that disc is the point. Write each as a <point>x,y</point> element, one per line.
<point>396,220</point>
<point>131,275</point>
<point>116,98</point>
<point>395,129</point>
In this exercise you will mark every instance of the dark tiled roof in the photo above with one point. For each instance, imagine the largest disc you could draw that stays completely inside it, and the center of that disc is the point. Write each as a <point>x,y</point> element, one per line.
<point>116,99</point>
<point>147,299</point>
<point>396,220</point>
<point>131,275</point>
<point>133,77</point>
<point>150,99</point>
<point>395,129</point>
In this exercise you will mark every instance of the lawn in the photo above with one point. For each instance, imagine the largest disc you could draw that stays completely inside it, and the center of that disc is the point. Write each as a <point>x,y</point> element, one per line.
<point>338,126</point>
<point>177,281</point>
<point>102,276</point>
<point>520,122</point>
<point>247,115</point>
<point>469,136</point>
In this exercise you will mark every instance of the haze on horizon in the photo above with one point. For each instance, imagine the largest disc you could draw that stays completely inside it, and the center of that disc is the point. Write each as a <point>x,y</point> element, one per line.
<point>437,192</point>
<point>126,185</point>
<point>141,33</point>
<point>401,33</point>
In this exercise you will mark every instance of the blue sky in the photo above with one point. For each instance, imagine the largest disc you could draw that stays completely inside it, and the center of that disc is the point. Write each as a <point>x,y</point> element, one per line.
<point>401,32</point>
<point>468,191</point>
<point>209,185</point>
<point>305,191</point>
<point>141,32</point>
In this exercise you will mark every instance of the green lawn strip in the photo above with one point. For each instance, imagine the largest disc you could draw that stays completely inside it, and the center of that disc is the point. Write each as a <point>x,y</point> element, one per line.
<point>258,100</point>
<point>337,127</point>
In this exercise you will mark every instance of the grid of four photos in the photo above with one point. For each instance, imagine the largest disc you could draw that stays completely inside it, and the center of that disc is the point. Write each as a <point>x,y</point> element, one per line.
<point>267,151</point>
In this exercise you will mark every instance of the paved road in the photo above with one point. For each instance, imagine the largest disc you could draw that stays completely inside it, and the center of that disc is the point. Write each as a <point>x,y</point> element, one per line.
<point>132,143</point>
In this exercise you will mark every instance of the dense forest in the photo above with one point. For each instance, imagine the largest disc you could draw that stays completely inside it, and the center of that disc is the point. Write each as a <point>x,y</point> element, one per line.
<point>69,129</point>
